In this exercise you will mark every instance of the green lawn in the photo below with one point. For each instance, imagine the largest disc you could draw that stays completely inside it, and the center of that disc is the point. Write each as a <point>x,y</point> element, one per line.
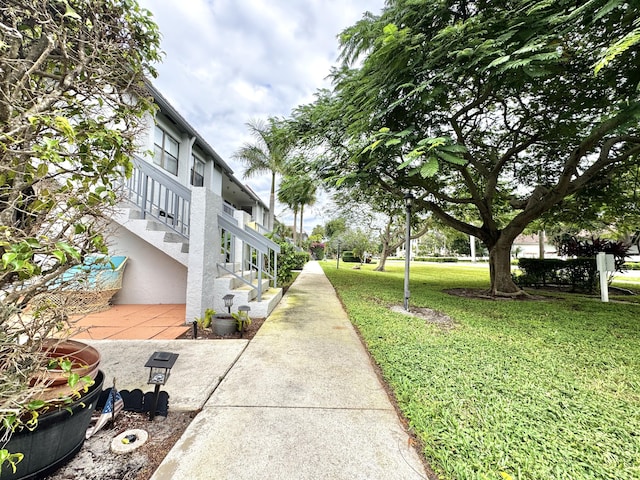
<point>522,389</point>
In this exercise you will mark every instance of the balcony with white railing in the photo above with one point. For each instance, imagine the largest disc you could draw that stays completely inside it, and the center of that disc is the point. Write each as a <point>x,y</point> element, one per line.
<point>159,196</point>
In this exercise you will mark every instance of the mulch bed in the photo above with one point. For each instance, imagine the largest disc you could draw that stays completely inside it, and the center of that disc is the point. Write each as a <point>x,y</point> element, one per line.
<point>207,333</point>
<point>483,294</point>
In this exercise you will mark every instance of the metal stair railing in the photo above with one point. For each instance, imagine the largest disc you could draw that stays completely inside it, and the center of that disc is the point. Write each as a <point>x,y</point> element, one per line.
<point>258,255</point>
<point>158,195</point>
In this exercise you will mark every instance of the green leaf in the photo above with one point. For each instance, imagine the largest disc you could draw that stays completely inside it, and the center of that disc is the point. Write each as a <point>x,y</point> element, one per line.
<point>372,147</point>
<point>455,148</point>
<point>390,29</point>
<point>392,141</point>
<point>68,249</point>
<point>610,6</point>
<point>499,61</point>
<point>73,379</point>
<point>11,458</point>
<point>70,12</point>
<point>36,404</point>
<point>429,168</point>
<point>530,47</point>
<point>405,164</point>
<point>451,158</point>
<point>43,169</point>
<point>8,258</point>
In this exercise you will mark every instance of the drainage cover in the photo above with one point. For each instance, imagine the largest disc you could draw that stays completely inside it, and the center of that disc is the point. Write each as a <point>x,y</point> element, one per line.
<point>128,441</point>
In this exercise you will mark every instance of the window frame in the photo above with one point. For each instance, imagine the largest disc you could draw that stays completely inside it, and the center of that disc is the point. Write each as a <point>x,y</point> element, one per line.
<point>163,159</point>
<point>195,174</point>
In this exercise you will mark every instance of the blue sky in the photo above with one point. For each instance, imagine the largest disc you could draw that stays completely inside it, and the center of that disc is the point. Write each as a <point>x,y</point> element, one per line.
<point>230,61</point>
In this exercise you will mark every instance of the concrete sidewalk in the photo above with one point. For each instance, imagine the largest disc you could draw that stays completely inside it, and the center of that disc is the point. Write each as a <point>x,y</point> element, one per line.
<point>301,402</point>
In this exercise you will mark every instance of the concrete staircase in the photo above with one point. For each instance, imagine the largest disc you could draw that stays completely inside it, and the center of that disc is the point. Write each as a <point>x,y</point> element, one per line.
<point>245,295</point>
<point>176,246</point>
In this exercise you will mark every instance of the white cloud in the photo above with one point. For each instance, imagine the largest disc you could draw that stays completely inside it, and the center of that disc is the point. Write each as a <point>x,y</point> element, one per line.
<point>230,61</point>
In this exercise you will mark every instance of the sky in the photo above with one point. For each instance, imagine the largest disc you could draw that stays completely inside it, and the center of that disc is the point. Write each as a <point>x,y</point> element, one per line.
<point>231,61</point>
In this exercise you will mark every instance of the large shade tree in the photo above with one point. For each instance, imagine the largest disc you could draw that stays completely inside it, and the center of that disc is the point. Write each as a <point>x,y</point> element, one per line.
<point>489,112</point>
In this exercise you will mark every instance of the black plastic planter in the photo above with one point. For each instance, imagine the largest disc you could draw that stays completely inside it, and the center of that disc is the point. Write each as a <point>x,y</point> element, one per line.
<point>57,438</point>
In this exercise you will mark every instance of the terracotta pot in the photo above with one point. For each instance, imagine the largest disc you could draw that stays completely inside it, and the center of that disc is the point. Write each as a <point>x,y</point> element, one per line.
<point>85,361</point>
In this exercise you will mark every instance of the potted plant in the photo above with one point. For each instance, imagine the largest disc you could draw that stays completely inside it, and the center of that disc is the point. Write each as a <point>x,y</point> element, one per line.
<point>49,388</point>
<point>224,324</point>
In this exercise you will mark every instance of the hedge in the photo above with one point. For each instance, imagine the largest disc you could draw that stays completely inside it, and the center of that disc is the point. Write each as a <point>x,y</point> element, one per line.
<point>437,259</point>
<point>580,274</point>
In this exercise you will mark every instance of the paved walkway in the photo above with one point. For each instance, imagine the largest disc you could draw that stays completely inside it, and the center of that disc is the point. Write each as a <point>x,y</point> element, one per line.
<point>302,401</point>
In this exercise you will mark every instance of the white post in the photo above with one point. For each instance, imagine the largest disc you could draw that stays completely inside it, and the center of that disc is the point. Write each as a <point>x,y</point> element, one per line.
<point>204,251</point>
<point>605,263</point>
<point>472,242</point>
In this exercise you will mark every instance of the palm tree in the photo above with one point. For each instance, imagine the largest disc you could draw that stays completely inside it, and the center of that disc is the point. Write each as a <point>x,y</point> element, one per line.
<point>269,154</point>
<point>307,196</point>
<point>288,195</point>
<point>297,190</point>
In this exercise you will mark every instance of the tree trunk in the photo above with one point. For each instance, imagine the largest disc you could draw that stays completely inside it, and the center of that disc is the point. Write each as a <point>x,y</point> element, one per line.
<point>385,238</point>
<point>502,283</point>
<point>295,225</point>
<point>272,202</point>
<point>301,231</point>
<point>383,257</point>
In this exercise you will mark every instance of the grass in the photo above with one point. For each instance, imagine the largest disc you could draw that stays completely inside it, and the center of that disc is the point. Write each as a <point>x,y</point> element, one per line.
<point>519,389</point>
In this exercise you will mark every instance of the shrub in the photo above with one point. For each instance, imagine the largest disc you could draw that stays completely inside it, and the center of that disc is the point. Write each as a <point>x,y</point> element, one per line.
<point>317,250</point>
<point>575,247</point>
<point>348,256</point>
<point>580,274</point>
<point>437,259</point>
<point>299,259</point>
<point>286,260</point>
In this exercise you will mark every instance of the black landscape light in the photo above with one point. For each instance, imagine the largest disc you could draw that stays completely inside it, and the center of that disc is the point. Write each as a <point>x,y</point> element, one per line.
<point>243,311</point>
<point>159,365</point>
<point>228,301</point>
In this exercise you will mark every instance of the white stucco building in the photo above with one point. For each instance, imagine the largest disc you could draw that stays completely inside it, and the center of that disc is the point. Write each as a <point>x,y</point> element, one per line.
<point>192,232</point>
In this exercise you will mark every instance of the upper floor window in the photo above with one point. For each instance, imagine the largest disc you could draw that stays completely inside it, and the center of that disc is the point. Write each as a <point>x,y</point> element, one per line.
<point>165,153</point>
<point>197,172</point>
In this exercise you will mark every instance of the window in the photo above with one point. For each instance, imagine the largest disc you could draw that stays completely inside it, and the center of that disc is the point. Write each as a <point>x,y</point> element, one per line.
<point>197,172</point>
<point>165,153</point>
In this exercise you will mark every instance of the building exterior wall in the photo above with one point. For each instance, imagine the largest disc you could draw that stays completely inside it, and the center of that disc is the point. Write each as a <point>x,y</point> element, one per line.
<point>150,276</point>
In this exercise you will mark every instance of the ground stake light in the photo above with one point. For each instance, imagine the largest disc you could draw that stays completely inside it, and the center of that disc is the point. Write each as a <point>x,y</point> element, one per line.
<point>228,301</point>
<point>160,365</point>
<point>243,311</point>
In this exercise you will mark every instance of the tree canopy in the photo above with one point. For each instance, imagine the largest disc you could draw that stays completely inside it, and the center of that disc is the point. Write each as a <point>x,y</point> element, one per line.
<point>72,94</point>
<point>72,97</point>
<point>489,112</point>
